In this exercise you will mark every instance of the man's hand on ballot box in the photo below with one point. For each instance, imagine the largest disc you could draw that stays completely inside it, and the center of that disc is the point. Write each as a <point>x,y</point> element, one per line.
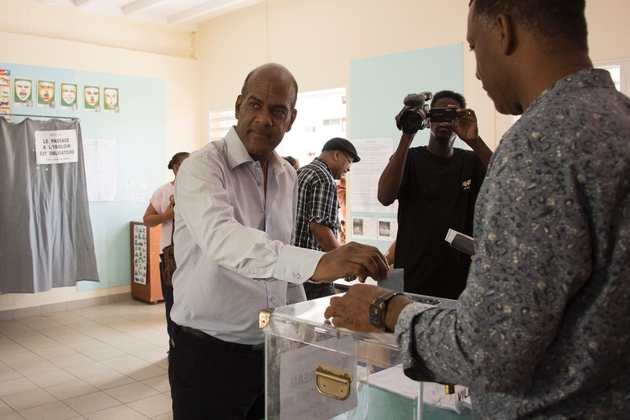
<point>352,310</point>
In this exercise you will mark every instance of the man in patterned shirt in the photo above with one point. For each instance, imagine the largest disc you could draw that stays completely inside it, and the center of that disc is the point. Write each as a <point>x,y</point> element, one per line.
<point>317,225</point>
<point>542,329</point>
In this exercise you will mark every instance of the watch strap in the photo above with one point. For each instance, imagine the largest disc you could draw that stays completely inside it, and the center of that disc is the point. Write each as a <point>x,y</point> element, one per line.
<point>377,312</point>
<point>385,297</point>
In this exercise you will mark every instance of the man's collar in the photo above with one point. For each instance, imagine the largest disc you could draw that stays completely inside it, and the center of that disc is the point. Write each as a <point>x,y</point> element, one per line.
<point>321,162</point>
<point>238,154</point>
<point>579,80</point>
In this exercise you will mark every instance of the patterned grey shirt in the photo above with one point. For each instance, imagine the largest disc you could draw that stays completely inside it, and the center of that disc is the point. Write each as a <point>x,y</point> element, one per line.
<point>542,329</point>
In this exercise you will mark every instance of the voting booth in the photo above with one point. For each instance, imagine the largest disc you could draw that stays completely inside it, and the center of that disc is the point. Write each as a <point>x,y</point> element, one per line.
<point>315,370</point>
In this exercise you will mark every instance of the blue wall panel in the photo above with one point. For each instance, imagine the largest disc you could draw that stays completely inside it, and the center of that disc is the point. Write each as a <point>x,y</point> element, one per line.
<point>378,86</point>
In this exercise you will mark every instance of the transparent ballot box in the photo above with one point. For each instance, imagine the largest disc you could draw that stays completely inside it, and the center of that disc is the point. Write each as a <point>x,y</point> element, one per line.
<point>315,370</point>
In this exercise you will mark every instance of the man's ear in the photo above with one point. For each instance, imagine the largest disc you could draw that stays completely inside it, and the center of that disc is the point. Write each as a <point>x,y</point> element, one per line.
<point>237,106</point>
<point>506,33</point>
<point>293,115</point>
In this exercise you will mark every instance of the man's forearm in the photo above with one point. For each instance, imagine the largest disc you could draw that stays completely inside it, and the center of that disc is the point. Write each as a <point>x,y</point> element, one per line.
<point>481,149</point>
<point>391,178</point>
<point>324,236</point>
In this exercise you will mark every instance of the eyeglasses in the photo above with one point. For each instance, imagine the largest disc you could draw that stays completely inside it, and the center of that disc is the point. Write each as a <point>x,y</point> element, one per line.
<point>350,161</point>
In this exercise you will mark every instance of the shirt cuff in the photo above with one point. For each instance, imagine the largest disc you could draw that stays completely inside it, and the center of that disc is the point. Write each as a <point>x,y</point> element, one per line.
<point>324,222</point>
<point>413,365</point>
<point>296,265</point>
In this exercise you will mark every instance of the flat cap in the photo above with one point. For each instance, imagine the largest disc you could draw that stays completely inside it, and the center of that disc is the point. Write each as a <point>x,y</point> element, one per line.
<point>344,145</point>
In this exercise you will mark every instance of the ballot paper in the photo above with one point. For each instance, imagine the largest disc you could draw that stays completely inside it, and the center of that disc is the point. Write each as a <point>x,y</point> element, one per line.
<point>395,280</point>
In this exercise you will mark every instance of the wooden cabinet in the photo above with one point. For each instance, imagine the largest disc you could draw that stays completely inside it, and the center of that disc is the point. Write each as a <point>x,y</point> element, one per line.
<point>145,262</point>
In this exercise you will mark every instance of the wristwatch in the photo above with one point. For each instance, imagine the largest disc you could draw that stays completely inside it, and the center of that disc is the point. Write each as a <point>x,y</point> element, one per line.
<point>377,309</point>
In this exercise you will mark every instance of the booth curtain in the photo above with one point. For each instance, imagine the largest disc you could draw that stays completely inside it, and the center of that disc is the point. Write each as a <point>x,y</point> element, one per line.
<point>46,236</point>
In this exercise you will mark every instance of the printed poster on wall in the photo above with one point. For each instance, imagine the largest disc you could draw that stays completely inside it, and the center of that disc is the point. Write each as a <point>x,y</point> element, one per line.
<point>23,93</point>
<point>92,98</point>
<point>375,154</point>
<point>68,98</point>
<point>140,254</point>
<point>100,168</point>
<point>110,95</point>
<point>5,94</point>
<point>56,146</point>
<point>45,94</point>
<point>364,228</point>
<point>387,229</point>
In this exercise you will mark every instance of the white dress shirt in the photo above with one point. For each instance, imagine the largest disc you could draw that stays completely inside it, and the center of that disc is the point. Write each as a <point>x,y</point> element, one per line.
<point>231,242</point>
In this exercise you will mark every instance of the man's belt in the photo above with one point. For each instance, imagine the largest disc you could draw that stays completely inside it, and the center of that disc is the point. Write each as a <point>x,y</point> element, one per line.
<point>213,340</point>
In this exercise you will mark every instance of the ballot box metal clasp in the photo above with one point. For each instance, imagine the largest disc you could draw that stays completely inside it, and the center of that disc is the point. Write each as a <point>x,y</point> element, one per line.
<point>332,382</point>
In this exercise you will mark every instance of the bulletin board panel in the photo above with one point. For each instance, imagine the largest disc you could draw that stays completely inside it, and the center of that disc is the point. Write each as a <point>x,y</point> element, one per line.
<point>378,86</point>
<point>139,132</point>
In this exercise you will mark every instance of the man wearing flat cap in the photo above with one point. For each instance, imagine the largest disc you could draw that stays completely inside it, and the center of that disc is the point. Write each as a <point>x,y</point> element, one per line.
<point>317,217</point>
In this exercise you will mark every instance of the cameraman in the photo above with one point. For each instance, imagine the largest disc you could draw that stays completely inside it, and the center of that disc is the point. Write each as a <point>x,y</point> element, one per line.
<point>436,187</point>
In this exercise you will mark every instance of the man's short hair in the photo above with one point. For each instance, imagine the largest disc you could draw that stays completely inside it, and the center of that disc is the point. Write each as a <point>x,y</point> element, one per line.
<point>451,95</point>
<point>276,66</point>
<point>549,18</point>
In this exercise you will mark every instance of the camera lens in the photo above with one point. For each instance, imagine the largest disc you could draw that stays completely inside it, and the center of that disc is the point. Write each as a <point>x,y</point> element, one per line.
<point>411,122</point>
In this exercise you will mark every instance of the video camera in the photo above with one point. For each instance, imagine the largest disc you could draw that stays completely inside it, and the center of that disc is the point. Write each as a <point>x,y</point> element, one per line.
<point>418,116</point>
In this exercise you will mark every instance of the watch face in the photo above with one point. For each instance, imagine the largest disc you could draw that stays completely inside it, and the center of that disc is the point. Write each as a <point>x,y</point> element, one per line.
<point>375,316</point>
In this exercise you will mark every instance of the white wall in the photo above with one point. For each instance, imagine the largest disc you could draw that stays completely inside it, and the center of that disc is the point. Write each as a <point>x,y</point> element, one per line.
<point>47,21</point>
<point>317,40</point>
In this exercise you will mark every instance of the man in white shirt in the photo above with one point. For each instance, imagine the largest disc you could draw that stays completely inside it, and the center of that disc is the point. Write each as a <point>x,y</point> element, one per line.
<point>236,205</point>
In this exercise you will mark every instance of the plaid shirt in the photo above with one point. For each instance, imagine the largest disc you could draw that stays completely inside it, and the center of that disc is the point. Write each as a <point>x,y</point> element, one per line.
<point>317,202</point>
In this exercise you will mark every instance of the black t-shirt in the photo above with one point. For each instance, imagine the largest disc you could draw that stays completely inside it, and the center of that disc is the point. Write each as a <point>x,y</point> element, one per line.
<point>436,194</point>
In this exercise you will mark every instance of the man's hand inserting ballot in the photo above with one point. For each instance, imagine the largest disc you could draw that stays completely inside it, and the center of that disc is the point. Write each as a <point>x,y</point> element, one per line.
<point>351,260</point>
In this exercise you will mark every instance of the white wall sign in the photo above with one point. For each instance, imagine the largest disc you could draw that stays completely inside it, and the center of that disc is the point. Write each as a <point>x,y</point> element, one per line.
<point>363,189</point>
<point>100,168</point>
<point>57,146</point>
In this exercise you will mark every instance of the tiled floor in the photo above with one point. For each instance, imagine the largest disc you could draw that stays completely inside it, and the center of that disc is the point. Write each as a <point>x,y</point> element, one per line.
<point>97,363</point>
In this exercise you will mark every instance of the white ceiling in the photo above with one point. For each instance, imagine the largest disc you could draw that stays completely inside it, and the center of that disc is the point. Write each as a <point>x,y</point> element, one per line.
<point>184,14</point>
